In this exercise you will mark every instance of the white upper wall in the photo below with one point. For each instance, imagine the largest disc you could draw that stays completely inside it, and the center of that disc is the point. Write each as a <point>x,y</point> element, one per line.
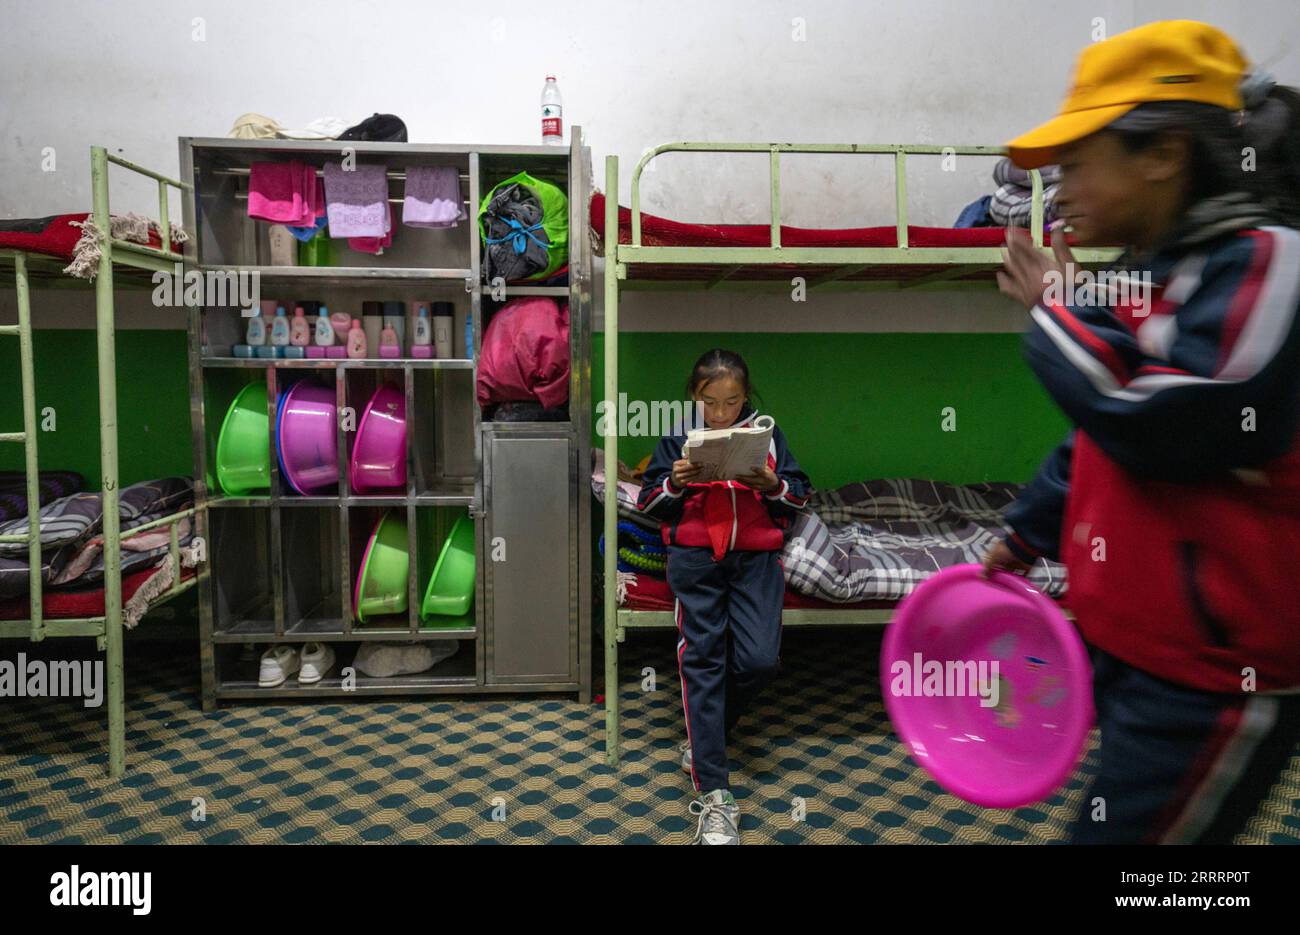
<point>136,75</point>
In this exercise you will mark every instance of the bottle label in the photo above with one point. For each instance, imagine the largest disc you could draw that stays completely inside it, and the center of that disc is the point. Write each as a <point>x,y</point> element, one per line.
<point>552,120</point>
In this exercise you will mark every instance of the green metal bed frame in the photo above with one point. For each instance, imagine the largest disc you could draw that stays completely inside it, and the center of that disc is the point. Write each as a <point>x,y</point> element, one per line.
<point>129,257</point>
<point>622,260</point>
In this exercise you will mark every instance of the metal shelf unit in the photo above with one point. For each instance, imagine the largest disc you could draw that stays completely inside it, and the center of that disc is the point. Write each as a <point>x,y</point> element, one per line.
<point>281,566</point>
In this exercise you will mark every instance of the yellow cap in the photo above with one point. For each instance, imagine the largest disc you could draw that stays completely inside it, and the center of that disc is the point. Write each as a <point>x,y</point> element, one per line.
<point>1172,60</point>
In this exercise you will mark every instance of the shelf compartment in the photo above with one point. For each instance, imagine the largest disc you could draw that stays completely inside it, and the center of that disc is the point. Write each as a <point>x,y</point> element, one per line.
<point>440,413</point>
<point>245,564</point>
<point>238,676</point>
<point>227,237</point>
<point>433,526</point>
<point>362,522</point>
<point>285,381</point>
<point>360,386</point>
<point>219,392</point>
<point>310,546</point>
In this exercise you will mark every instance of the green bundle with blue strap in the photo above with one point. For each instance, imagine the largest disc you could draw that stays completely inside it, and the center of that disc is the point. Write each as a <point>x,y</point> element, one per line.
<point>524,222</point>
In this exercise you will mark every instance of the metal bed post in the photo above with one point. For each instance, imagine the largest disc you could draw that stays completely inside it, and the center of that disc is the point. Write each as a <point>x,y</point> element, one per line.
<point>107,368</point>
<point>28,439</point>
<point>611,458</point>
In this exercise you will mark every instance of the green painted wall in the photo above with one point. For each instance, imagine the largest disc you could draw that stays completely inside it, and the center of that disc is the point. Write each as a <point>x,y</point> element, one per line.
<point>855,406</point>
<point>152,403</point>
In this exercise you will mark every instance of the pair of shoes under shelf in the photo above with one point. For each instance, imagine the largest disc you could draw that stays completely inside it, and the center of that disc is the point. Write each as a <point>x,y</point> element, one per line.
<point>280,662</point>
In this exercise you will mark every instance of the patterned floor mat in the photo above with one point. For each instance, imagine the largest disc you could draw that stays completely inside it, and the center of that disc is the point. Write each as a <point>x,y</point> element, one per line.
<point>816,761</point>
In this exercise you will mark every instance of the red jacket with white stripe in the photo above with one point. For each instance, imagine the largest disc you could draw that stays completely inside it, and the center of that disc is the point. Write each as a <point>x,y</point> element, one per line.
<point>723,515</point>
<point>1175,501</point>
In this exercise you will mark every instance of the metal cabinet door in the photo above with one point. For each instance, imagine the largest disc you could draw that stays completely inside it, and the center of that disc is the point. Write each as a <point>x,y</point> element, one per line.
<point>531,593</point>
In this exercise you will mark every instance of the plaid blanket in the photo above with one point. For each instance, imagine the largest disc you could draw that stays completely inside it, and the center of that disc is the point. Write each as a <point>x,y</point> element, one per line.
<point>879,539</point>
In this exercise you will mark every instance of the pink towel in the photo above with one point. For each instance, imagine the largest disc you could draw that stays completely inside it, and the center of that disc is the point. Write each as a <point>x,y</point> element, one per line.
<point>284,193</point>
<point>356,200</point>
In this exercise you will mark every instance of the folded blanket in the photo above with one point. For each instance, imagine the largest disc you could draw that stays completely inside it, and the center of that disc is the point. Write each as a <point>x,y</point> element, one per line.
<point>68,524</point>
<point>1013,205</point>
<point>1008,173</point>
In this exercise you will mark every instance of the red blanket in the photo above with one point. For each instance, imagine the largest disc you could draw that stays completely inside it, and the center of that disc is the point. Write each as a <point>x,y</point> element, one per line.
<point>63,604</point>
<point>52,236</point>
<point>661,232</point>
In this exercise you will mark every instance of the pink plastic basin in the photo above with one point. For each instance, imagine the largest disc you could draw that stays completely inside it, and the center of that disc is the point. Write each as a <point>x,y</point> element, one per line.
<point>379,452</point>
<point>308,437</point>
<point>997,756</point>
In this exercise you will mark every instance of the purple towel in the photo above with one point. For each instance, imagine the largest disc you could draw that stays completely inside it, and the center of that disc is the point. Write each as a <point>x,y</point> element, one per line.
<point>433,197</point>
<point>357,200</point>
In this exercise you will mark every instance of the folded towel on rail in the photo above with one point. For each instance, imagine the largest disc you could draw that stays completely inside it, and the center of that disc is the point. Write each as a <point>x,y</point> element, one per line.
<point>283,193</point>
<point>356,200</point>
<point>433,197</point>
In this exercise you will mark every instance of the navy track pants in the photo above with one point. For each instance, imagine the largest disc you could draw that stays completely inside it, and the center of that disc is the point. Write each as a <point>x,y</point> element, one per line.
<point>729,628</point>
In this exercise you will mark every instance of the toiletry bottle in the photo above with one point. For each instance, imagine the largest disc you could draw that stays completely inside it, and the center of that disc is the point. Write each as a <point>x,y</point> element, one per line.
<point>422,338</point>
<point>356,340</point>
<point>323,338</point>
<point>389,346</point>
<point>395,318</point>
<point>299,333</point>
<point>256,331</point>
<point>372,322</point>
<point>342,323</point>
<point>324,330</point>
<point>443,318</point>
<point>280,329</point>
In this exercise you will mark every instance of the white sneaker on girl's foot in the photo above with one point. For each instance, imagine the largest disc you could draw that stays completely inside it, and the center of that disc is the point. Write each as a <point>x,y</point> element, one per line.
<point>685,747</point>
<point>317,660</point>
<point>278,663</point>
<point>719,818</point>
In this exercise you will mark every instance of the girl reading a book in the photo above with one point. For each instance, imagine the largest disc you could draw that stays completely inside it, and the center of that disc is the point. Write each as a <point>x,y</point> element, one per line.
<point>724,540</point>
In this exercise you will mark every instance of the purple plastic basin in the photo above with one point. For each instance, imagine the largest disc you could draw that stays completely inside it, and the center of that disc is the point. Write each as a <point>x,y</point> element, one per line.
<point>309,437</point>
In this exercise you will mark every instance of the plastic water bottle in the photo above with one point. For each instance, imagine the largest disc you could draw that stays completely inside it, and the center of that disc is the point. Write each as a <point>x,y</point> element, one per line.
<point>552,113</point>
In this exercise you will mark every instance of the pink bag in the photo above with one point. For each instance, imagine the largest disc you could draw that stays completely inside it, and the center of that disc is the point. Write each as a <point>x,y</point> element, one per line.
<point>525,353</point>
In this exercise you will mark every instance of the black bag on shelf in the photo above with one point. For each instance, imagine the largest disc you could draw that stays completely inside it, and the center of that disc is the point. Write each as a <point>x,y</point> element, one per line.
<point>380,128</point>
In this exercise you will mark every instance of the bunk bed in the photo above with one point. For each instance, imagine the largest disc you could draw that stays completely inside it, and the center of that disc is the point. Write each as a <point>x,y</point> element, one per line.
<point>646,252</point>
<point>37,254</point>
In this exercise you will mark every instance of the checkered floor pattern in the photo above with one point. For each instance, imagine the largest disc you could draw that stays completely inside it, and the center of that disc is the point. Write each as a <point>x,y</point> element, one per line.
<point>815,762</point>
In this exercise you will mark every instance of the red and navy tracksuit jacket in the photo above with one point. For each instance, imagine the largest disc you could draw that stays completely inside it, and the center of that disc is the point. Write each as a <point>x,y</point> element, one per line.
<point>1175,500</point>
<point>723,515</point>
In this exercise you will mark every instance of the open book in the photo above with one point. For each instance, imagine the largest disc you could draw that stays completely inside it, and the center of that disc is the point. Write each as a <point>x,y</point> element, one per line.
<point>726,454</point>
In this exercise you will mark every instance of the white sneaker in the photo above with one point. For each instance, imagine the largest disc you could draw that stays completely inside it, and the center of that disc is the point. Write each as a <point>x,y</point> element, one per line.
<point>278,663</point>
<point>685,747</point>
<point>317,660</point>
<point>719,818</point>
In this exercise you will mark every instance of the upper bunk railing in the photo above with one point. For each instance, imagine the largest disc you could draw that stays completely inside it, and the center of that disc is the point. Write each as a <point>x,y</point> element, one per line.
<point>900,153</point>
<point>141,255</point>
